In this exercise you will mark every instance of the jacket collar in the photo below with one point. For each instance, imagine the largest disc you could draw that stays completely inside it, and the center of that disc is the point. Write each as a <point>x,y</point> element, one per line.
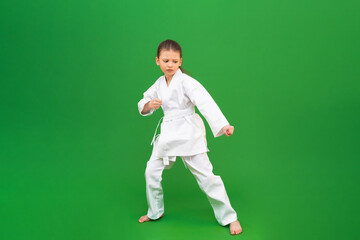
<point>177,74</point>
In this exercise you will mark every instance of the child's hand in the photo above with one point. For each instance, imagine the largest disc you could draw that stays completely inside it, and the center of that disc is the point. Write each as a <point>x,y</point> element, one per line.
<point>155,103</point>
<point>228,130</point>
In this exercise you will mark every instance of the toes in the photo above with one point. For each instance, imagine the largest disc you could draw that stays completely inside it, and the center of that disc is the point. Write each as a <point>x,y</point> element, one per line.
<point>143,219</point>
<point>235,228</point>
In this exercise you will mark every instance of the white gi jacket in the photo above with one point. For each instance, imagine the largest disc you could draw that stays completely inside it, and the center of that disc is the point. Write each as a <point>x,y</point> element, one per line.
<point>182,132</point>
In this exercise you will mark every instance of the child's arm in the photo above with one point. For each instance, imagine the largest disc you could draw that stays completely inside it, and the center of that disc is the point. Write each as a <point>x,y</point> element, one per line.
<point>199,96</point>
<point>144,106</point>
<point>151,105</point>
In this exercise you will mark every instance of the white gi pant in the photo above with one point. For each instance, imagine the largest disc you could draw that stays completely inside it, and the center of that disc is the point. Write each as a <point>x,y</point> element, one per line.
<point>200,166</point>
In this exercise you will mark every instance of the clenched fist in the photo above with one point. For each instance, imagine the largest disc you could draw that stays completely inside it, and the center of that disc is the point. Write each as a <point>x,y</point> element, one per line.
<point>228,130</point>
<point>155,103</point>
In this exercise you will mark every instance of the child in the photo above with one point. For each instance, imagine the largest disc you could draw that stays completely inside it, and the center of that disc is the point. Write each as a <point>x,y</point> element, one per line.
<point>183,134</point>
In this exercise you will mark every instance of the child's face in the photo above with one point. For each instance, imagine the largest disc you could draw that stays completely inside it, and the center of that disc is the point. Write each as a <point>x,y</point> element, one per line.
<point>169,61</point>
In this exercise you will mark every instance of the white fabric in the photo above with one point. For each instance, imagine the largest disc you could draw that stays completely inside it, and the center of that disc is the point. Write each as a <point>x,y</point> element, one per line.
<point>210,184</point>
<point>182,132</point>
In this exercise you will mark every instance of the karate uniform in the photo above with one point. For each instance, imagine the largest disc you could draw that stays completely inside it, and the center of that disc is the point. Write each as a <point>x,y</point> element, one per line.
<point>182,133</point>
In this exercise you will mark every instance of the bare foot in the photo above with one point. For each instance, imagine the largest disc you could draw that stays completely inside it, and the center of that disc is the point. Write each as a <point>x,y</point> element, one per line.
<point>145,218</point>
<point>235,228</point>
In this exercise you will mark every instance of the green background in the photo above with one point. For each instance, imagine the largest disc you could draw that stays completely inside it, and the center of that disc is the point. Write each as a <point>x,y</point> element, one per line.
<point>73,146</point>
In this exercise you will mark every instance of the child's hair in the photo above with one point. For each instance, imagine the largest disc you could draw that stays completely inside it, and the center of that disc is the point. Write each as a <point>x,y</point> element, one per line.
<point>173,45</point>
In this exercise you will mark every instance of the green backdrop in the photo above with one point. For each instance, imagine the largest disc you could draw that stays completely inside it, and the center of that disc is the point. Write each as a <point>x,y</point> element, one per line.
<point>73,146</point>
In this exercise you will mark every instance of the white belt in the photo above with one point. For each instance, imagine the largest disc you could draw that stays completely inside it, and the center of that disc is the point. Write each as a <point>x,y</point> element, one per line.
<point>171,115</point>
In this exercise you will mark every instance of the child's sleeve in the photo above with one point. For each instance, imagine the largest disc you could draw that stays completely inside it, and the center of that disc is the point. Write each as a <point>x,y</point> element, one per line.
<point>201,98</point>
<point>147,96</point>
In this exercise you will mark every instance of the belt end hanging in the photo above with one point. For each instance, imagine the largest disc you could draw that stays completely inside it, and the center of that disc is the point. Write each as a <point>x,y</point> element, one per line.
<point>166,160</point>
<point>153,140</point>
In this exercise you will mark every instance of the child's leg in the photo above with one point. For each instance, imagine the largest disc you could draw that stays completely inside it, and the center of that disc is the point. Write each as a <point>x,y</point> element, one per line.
<point>212,186</point>
<point>154,191</point>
